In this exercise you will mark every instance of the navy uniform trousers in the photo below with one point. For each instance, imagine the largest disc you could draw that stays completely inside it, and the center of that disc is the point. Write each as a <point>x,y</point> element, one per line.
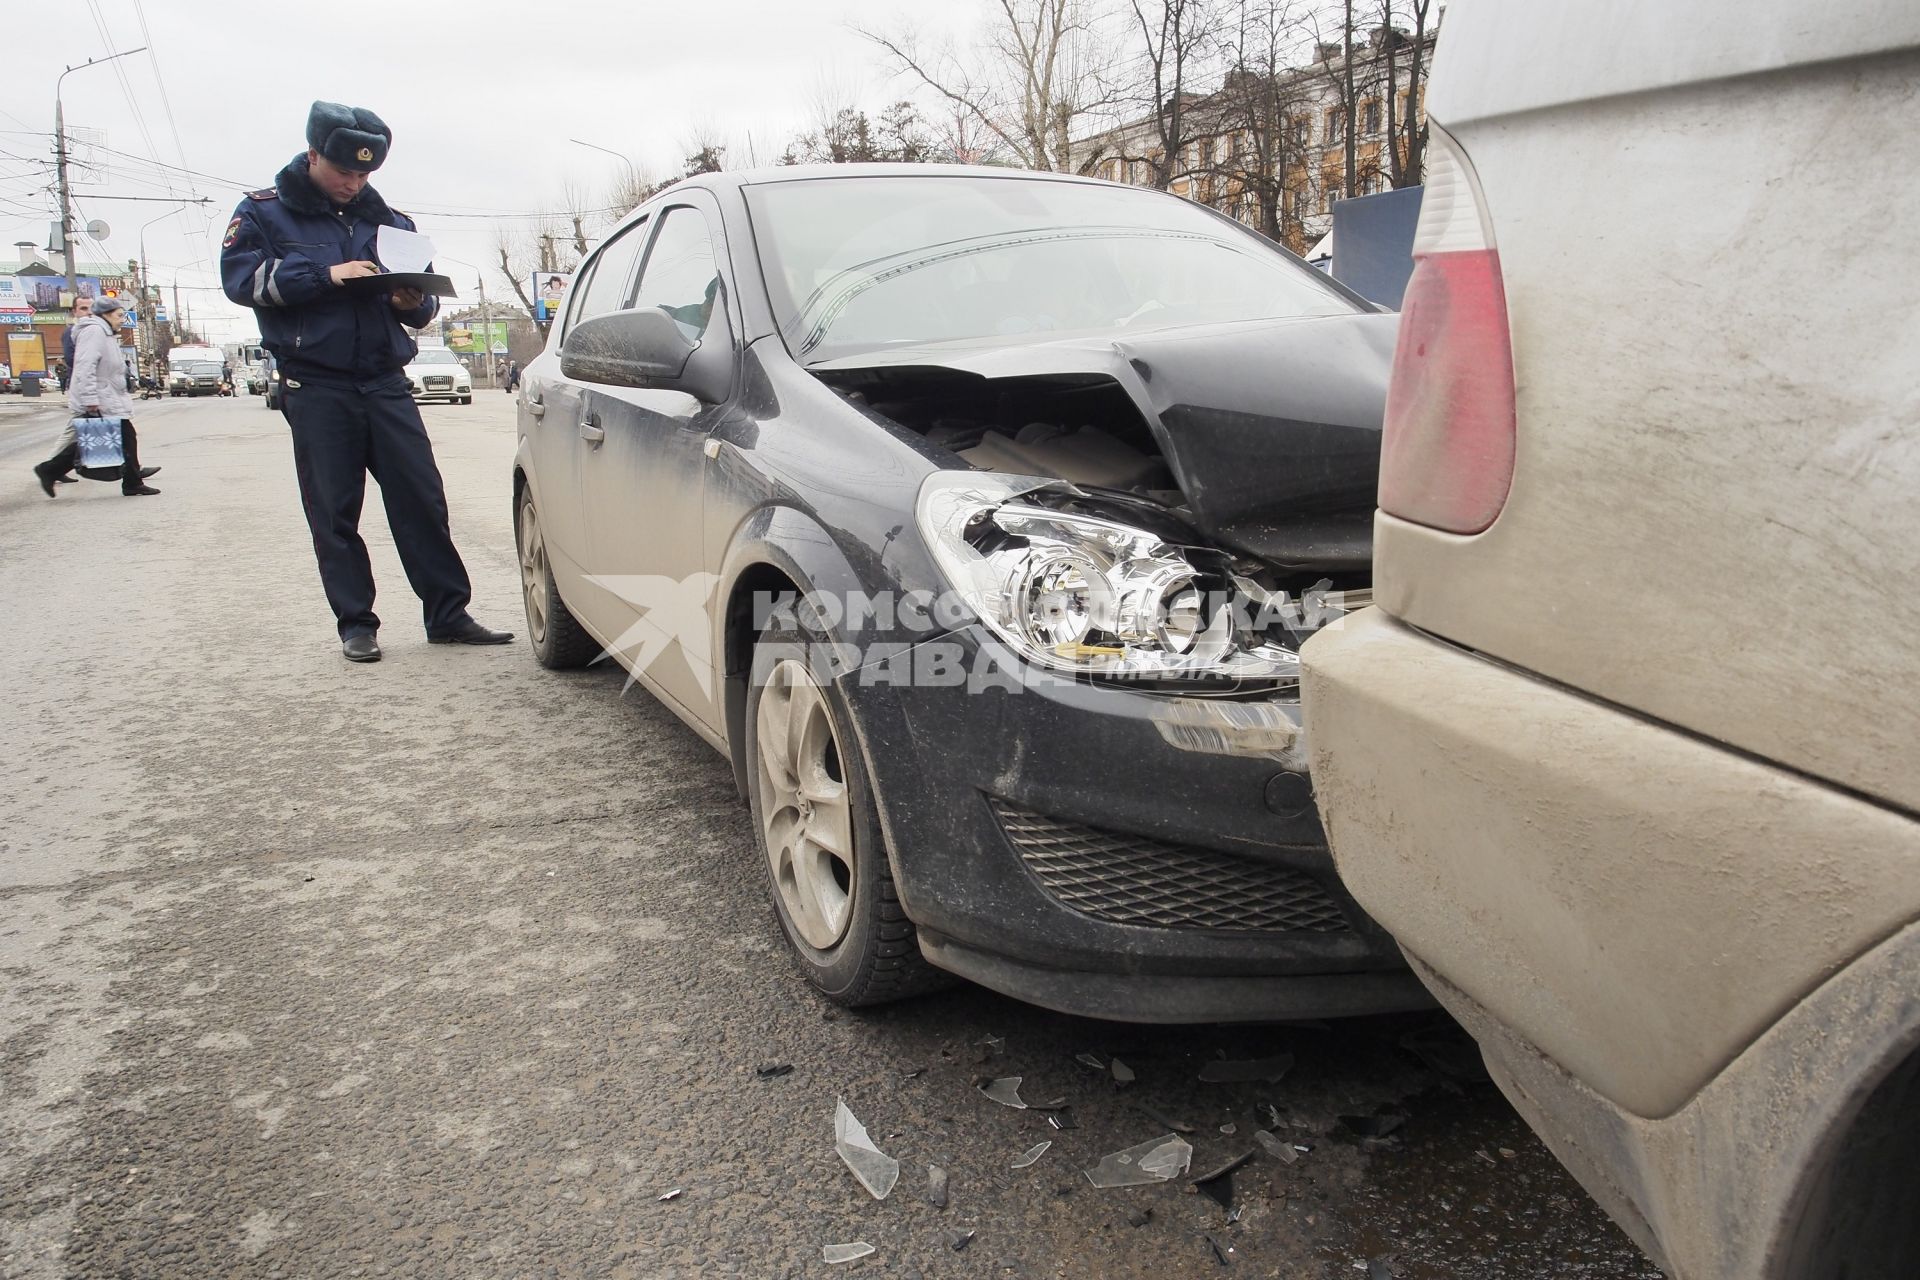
<point>342,432</point>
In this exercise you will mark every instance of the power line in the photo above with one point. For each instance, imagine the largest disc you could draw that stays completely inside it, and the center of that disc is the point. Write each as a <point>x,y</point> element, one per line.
<point>120,74</point>
<point>166,103</point>
<point>166,100</point>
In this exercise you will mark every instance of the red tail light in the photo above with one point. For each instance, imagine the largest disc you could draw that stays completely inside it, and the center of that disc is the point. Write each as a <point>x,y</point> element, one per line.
<point>1446,458</point>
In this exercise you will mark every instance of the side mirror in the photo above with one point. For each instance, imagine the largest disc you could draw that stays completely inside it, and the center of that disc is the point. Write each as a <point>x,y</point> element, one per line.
<point>647,348</point>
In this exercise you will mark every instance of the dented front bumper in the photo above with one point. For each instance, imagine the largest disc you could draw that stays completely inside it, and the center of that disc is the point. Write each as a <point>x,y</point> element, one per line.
<point>1112,852</point>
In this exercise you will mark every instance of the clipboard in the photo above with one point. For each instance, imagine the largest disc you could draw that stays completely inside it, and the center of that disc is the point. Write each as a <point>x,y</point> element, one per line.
<point>387,281</point>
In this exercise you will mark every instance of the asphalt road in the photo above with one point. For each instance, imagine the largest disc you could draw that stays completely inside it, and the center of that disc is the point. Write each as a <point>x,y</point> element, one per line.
<point>451,966</point>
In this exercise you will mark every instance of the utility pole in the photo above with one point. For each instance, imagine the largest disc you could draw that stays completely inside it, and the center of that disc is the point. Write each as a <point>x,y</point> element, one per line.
<point>66,196</point>
<point>60,154</point>
<point>486,327</point>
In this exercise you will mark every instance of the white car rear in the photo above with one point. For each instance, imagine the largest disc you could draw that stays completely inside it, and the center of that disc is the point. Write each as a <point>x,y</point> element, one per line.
<point>1628,757</point>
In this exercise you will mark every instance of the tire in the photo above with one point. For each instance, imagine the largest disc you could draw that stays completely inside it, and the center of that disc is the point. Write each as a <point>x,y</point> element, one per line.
<point>838,909</point>
<point>466,399</point>
<point>560,643</point>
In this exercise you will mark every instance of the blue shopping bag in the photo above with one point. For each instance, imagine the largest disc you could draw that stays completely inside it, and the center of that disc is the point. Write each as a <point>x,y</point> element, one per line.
<point>99,441</point>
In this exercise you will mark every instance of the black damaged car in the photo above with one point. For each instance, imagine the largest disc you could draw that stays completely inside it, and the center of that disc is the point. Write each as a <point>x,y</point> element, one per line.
<point>976,516</point>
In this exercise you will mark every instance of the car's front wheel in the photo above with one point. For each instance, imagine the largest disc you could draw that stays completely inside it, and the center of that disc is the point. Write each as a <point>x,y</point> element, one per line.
<point>819,834</point>
<point>560,643</point>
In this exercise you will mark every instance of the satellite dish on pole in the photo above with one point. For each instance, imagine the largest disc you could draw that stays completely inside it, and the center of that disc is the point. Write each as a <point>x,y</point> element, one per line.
<point>98,230</point>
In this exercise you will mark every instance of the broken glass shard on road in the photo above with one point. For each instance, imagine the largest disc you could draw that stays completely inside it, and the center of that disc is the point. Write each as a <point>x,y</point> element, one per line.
<point>1281,1151</point>
<point>1031,1154</point>
<point>876,1170</point>
<point>1006,1092</point>
<point>1156,1160</point>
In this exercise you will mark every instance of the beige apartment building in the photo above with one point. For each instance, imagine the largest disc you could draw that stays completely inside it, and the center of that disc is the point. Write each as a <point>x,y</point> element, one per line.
<point>1271,150</point>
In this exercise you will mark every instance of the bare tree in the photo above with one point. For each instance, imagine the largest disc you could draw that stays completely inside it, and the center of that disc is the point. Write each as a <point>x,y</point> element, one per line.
<point>1349,103</point>
<point>706,153</point>
<point>1176,38</point>
<point>557,241</point>
<point>516,256</point>
<point>959,136</point>
<point>1406,126</point>
<point>1038,74</point>
<point>1265,110</point>
<point>630,190</point>
<point>848,136</point>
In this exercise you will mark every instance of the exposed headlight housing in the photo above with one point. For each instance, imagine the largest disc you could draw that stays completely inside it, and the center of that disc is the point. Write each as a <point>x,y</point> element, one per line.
<point>1090,595</point>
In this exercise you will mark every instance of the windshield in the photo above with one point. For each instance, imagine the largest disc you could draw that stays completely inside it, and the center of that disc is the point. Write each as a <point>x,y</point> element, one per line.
<point>859,264</point>
<point>202,368</point>
<point>436,356</point>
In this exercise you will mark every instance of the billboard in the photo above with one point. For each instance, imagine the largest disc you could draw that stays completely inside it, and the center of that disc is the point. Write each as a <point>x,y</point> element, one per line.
<point>49,293</point>
<point>549,294</point>
<point>16,307</point>
<point>26,353</point>
<point>469,337</point>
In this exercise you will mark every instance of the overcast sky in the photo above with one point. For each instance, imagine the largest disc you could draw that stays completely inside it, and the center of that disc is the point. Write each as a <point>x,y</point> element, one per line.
<point>482,97</point>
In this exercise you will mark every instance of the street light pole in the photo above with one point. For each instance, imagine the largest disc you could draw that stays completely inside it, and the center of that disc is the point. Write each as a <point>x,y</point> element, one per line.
<point>486,314</point>
<point>633,177</point>
<point>148,334</point>
<point>486,326</point>
<point>60,157</point>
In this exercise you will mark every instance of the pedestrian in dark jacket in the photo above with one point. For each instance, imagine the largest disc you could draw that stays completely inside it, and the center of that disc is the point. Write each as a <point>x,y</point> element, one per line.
<point>297,253</point>
<point>82,308</point>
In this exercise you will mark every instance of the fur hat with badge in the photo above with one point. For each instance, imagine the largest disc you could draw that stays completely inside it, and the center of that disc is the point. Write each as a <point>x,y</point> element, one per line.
<point>351,137</point>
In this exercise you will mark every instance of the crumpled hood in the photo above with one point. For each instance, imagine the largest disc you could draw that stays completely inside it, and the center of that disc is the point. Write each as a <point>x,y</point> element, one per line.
<point>1271,428</point>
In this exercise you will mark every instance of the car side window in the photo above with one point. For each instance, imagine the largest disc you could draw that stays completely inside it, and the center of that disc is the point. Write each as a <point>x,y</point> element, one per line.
<point>606,289</point>
<point>680,277</point>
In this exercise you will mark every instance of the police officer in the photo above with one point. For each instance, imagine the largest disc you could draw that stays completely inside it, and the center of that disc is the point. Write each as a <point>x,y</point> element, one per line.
<point>288,254</point>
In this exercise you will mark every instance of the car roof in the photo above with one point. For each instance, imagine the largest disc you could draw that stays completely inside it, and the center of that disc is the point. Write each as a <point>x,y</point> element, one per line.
<point>814,172</point>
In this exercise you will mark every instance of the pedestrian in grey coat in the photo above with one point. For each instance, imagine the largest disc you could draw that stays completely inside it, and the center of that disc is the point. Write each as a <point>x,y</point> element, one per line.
<point>98,389</point>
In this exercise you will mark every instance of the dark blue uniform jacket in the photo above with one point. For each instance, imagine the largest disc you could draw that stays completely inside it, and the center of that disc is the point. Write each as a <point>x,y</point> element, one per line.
<point>275,259</point>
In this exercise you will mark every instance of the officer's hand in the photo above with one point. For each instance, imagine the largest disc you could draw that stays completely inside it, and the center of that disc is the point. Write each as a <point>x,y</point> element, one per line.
<point>93,411</point>
<point>407,299</point>
<point>348,270</point>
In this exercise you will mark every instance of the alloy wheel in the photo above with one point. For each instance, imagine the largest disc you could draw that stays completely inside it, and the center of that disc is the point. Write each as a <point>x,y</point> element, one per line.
<point>533,573</point>
<point>805,816</point>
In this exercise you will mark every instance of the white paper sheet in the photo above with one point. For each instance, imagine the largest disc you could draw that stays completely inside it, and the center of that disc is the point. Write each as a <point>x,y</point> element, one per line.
<point>403,251</point>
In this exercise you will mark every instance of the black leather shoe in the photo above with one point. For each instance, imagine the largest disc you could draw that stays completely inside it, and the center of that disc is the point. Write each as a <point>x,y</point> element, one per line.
<point>149,471</point>
<point>471,632</point>
<point>145,490</point>
<point>69,479</point>
<point>45,477</point>
<point>361,648</point>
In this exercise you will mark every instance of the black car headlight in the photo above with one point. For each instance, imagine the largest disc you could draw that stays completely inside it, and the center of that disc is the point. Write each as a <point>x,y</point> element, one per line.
<point>1093,595</point>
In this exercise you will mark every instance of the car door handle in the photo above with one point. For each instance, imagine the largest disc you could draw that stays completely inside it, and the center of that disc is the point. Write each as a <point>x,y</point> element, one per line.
<point>535,407</point>
<point>591,431</point>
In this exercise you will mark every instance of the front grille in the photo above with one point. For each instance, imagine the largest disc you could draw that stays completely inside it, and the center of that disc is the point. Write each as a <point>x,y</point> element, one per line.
<point>439,384</point>
<point>1136,880</point>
